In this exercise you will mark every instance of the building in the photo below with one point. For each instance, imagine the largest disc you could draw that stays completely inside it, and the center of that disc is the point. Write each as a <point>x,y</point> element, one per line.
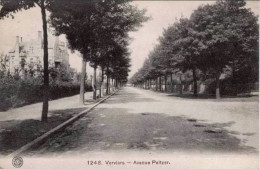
<point>29,54</point>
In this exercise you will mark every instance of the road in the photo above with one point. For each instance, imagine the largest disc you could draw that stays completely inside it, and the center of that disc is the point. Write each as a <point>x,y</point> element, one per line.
<point>142,121</point>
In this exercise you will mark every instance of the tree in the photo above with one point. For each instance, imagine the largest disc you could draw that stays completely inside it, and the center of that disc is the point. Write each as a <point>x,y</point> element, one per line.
<point>226,36</point>
<point>217,38</point>
<point>3,65</point>
<point>181,49</point>
<point>9,7</point>
<point>115,60</point>
<point>243,43</point>
<point>88,25</point>
<point>120,67</point>
<point>189,50</point>
<point>61,73</point>
<point>75,20</point>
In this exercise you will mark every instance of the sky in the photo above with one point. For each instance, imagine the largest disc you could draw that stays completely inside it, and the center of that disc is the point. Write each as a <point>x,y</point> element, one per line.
<point>162,13</point>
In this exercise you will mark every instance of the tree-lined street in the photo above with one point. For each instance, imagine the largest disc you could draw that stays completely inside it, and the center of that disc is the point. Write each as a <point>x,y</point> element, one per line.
<point>136,119</point>
<point>215,46</point>
<point>98,30</point>
<point>194,94</point>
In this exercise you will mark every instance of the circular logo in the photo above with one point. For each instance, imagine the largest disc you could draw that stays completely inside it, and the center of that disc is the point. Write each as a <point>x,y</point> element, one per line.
<point>17,162</point>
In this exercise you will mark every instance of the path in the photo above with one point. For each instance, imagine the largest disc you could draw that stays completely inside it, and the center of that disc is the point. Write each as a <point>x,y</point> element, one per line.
<point>33,111</point>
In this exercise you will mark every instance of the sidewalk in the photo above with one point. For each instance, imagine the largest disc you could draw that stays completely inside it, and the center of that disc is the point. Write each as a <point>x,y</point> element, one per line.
<point>34,111</point>
<point>20,126</point>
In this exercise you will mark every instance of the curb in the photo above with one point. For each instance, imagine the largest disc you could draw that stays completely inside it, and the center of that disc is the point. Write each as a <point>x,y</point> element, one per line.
<point>57,128</point>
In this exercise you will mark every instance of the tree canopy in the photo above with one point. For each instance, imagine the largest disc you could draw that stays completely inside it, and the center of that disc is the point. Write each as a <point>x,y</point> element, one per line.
<point>216,39</point>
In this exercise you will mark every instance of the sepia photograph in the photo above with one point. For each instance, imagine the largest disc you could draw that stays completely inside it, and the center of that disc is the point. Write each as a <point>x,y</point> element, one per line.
<point>126,84</point>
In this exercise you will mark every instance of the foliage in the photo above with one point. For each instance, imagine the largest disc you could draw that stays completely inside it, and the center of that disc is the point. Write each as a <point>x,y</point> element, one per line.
<point>15,93</point>
<point>61,73</point>
<point>227,87</point>
<point>221,38</point>
<point>96,29</point>
<point>8,8</point>
<point>3,65</point>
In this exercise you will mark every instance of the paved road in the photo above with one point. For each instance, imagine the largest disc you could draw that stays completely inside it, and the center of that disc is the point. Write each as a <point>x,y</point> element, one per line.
<point>136,119</point>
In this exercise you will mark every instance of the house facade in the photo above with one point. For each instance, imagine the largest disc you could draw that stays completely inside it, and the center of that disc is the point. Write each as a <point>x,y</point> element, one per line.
<point>29,54</point>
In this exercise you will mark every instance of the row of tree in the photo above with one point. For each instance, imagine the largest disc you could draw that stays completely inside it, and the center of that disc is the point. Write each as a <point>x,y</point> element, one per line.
<point>97,29</point>
<point>217,39</point>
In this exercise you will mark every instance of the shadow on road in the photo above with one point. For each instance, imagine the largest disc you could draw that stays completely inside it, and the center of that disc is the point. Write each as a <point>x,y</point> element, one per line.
<point>16,133</point>
<point>115,129</point>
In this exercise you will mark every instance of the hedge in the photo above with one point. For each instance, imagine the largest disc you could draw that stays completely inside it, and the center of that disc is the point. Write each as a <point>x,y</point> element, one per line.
<point>16,93</point>
<point>227,87</point>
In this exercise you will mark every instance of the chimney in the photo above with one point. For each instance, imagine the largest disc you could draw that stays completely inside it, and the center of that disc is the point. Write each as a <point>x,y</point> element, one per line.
<point>17,39</point>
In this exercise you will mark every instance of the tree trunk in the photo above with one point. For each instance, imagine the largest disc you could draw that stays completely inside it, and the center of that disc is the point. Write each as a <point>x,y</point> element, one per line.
<point>181,85</point>
<point>165,81</point>
<point>45,105</point>
<point>109,86</point>
<point>234,80</point>
<point>156,83</point>
<point>217,86</point>
<point>107,89</point>
<point>102,78</point>
<point>195,86</point>
<point>82,81</point>
<point>95,83</point>
<point>171,84</point>
<point>160,83</point>
<point>112,84</point>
